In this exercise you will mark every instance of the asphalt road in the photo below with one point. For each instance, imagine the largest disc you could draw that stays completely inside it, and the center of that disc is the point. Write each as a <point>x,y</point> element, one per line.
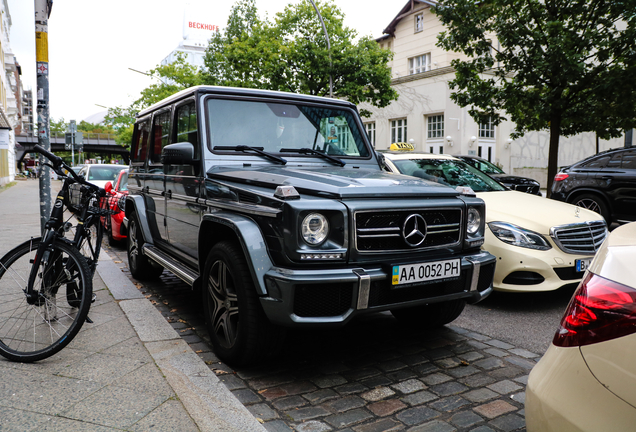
<point>527,320</point>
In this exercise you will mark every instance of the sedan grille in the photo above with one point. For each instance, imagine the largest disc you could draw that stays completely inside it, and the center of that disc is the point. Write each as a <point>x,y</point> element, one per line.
<point>583,238</point>
<point>382,231</point>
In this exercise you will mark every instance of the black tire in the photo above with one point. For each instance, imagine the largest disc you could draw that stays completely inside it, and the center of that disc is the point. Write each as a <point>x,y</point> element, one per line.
<point>431,315</point>
<point>31,332</point>
<point>109,232</point>
<point>140,266</point>
<point>595,203</point>
<point>236,323</point>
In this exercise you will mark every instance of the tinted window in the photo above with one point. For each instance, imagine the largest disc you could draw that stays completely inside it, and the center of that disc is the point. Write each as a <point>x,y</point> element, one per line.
<point>599,162</point>
<point>186,122</point>
<point>160,135</point>
<point>139,148</point>
<point>629,160</point>
<point>274,126</point>
<point>448,171</point>
<point>615,161</point>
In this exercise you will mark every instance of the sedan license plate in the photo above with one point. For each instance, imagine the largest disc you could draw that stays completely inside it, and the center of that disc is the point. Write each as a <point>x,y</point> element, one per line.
<point>582,264</point>
<point>424,272</point>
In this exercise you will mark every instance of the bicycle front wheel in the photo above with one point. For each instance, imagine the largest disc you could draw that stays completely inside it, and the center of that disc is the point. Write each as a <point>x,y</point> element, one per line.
<point>36,327</point>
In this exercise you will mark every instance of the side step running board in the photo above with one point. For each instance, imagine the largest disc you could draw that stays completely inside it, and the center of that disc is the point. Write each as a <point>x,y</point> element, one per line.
<point>165,260</point>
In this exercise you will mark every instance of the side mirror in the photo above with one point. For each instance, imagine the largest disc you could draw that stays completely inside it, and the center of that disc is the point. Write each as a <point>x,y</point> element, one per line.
<point>381,161</point>
<point>108,187</point>
<point>178,154</point>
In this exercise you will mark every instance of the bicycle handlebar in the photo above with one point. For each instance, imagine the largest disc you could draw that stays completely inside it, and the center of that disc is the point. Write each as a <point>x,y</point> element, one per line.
<point>58,162</point>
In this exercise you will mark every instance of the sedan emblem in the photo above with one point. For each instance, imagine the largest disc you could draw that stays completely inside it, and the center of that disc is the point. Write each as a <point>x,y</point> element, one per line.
<point>414,230</point>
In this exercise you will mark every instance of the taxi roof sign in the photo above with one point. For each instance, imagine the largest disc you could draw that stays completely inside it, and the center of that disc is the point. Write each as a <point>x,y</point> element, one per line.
<point>402,146</point>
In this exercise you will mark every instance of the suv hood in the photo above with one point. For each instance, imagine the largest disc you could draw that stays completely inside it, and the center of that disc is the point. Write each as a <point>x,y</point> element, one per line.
<point>533,212</point>
<point>337,182</point>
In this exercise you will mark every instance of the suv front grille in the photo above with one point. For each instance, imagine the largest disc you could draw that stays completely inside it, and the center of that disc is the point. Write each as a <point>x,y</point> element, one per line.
<point>381,231</point>
<point>583,238</point>
<point>531,189</point>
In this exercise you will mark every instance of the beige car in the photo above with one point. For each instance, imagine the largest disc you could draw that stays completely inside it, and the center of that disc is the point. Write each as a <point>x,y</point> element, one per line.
<point>586,381</point>
<point>540,244</point>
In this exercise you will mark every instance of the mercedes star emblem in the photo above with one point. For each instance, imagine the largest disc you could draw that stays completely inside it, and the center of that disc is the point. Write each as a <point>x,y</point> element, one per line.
<point>414,230</point>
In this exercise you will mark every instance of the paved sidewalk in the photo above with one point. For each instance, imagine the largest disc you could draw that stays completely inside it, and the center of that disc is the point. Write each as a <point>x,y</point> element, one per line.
<point>129,370</point>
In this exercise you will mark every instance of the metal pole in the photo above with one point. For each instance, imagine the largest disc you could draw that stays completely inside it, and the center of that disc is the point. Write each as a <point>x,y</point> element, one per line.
<point>328,48</point>
<point>42,11</point>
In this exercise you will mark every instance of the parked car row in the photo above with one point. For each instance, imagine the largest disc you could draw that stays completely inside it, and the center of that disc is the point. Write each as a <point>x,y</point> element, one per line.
<point>540,244</point>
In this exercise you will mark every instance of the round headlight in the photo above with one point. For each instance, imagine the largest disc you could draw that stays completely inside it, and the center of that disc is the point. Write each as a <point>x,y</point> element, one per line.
<point>315,229</point>
<point>474,221</point>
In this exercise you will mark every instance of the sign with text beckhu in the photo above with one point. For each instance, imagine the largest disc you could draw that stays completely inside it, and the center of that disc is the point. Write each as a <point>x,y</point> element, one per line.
<point>4,139</point>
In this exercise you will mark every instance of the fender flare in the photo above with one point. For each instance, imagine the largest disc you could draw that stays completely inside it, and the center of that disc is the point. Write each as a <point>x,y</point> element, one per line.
<point>255,251</point>
<point>135,204</point>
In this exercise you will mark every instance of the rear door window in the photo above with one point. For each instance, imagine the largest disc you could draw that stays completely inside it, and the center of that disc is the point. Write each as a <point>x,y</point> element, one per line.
<point>629,160</point>
<point>160,135</point>
<point>139,148</point>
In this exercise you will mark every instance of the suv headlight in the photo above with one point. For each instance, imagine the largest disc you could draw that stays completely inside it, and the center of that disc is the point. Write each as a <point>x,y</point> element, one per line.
<point>517,236</point>
<point>474,222</point>
<point>314,229</point>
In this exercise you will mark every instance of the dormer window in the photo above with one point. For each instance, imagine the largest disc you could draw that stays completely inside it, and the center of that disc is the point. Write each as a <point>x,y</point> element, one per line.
<point>419,22</point>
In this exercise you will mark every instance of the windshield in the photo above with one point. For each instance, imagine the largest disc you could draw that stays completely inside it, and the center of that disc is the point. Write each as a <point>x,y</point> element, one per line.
<point>102,173</point>
<point>450,172</point>
<point>485,166</point>
<point>275,126</point>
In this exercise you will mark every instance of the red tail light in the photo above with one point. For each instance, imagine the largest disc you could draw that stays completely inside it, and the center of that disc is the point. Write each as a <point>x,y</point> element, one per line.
<point>600,310</point>
<point>561,176</point>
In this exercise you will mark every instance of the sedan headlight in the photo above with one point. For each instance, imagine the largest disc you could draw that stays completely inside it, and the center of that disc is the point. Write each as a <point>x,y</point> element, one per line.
<point>517,236</point>
<point>314,229</point>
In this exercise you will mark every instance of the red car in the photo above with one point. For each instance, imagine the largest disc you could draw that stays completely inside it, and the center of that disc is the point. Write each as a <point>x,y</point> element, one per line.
<point>116,198</point>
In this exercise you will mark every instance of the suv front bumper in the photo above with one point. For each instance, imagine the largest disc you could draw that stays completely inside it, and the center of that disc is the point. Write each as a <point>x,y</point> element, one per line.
<point>335,296</point>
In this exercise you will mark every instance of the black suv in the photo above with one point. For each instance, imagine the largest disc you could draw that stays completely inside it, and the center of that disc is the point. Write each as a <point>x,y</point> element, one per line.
<point>275,208</point>
<point>518,183</point>
<point>604,183</point>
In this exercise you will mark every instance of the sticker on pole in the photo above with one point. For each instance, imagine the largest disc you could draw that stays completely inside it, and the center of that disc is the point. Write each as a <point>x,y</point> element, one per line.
<point>43,69</point>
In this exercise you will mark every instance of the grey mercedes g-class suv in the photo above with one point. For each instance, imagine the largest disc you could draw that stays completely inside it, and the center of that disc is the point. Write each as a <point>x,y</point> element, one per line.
<point>275,208</point>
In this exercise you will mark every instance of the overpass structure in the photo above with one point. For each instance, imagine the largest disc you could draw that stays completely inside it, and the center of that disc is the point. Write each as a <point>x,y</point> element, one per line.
<point>93,143</point>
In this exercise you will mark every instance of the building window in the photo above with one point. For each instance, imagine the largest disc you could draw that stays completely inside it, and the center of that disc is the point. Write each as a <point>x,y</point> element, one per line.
<point>435,126</point>
<point>487,129</point>
<point>420,64</point>
<point>419,23</point>
<point>398,130</point>
<point>370,128</point>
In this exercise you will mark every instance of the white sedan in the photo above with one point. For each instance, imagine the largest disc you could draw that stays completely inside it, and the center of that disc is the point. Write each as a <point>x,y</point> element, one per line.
<point>540,244</point>
<point>100,174</point>
<point>586,380</point>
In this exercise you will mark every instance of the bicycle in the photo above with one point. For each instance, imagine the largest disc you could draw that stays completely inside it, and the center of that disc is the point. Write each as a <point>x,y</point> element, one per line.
<point>46,286</point>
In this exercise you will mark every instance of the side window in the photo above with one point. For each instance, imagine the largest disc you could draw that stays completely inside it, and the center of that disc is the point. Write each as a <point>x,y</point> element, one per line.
<point>629,160</point>
<point>139,148</point>
<point>615,162</point>
<point>160,135</point>
<point>600,162</point>
<point>186,123</point>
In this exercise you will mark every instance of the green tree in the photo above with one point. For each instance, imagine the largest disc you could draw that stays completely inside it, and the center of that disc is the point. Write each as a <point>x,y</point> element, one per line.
<point>57,126</point>
<point>566,67</point>
<point>291,54</point>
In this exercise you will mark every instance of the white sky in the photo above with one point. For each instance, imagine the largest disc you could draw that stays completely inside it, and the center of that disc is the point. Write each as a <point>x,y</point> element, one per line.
<point>93,43</point>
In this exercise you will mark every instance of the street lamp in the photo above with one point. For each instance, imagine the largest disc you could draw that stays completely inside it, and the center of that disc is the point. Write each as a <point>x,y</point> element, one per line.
<point>328,48</point>
<point>147,74</point>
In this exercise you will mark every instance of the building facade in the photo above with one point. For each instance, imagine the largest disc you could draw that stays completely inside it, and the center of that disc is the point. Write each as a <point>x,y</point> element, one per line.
<point>425,115</point>
<point>9,84</point>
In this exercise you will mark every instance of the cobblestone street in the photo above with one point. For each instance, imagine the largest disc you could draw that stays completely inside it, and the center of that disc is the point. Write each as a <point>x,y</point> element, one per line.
<point>372,375</point>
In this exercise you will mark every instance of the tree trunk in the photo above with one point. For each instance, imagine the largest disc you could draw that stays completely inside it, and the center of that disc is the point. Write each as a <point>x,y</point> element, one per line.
<point>553,152</point>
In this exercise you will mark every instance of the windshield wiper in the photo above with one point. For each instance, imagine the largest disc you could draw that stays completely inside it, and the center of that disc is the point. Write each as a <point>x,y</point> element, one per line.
<point>258,150</point>
<point>314,152</point>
